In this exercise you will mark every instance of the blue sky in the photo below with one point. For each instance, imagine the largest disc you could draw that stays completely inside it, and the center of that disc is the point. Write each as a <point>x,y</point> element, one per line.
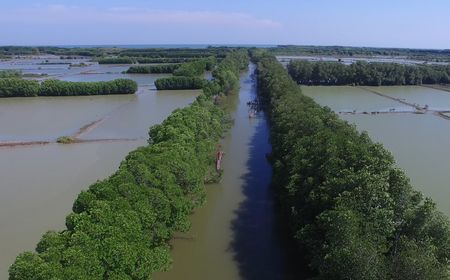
<point>382,23</point>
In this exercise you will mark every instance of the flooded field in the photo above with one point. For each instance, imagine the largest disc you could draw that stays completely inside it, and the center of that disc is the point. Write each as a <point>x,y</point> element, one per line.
<point>40,182</point>
<point>419,142</point>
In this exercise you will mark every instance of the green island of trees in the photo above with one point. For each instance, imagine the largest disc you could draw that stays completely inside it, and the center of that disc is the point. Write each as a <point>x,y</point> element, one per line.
<point>179,82</point>
<point>364,73</point>
<point>225,77</point>
<point>153,69</point>
<point>12,87</point>
<point>120,227</point>
<point>348,206</point>
<point>187,75</point>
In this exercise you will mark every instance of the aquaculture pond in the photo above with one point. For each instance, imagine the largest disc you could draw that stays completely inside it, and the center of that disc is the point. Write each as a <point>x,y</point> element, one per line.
<point>39,182</point>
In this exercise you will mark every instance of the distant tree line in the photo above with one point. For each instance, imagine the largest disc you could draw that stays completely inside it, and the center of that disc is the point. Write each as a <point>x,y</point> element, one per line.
<point>364,73</point>
<point>120,227</point>
<point>341,51</point>
<point>153,69</point>
<point>13,87</point>
<point>351,210</point>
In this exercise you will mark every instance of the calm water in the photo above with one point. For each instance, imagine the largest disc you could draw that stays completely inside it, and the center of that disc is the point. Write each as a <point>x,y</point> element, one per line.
<point>233,236</point>
<point>39,183</point>
<point>419,143</point>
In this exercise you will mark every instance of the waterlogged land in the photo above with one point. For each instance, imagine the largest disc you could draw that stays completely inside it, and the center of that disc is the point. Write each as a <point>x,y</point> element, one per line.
<point>419,142</point>
<point>41,180</point>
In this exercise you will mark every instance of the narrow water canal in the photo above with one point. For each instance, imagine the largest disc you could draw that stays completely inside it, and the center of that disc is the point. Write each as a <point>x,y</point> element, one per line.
<point>233,236</point>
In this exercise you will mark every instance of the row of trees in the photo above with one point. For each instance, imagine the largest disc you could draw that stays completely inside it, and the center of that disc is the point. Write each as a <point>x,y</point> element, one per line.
<point>120,227</point>
<point>153,69</point>
<point>364,73</point>
<point>12,87</point>
<point>179,82</point>
<point>339,51</point>
<point>10,74</point>
<point>350,209</point>
<point>196,67</point>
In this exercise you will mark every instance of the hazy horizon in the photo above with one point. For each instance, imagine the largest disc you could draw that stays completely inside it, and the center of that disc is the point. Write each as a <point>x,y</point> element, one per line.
<point>382,23</point>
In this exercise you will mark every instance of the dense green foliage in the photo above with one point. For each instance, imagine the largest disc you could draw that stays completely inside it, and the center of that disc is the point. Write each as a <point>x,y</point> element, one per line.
<point>63,88</point>
<point>120,227</point>
<point>12,87</point>
<point>116,60</point>
<point>227,72</point>
<point>10,74</point>
<point>348,206</point>
<point>153,69</point>
<point>339,51</point>
<point>179,82</point>
<point>196,67</point>
<point>144,60</point>
<point>364,73</point>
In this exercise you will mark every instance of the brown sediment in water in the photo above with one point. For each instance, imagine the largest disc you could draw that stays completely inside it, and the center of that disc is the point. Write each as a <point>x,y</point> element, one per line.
<point>22,143</point>
<point>87,128</point>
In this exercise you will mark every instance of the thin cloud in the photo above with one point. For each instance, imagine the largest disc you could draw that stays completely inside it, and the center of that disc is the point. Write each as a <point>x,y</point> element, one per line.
<point>61,14</point>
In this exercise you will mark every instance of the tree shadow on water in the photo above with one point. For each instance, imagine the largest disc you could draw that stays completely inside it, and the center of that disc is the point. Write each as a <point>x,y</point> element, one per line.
<point>260,245</point>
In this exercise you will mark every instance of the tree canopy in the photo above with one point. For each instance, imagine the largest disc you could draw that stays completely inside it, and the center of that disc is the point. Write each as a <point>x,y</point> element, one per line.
<point>349,208</point>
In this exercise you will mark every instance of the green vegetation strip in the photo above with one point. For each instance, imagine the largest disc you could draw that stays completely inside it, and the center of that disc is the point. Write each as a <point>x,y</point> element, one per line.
<point>12,87</point>
<point>153,69</point>
<point>120,227</point>
<point>369,74</point>
<point>350,209</point>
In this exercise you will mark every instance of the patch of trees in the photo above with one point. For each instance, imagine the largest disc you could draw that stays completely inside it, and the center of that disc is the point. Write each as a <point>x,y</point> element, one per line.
<point>227,72</point>
<point>179,82</point>
<point>153,69</point>
<point>10,74</point>
<point>120,227</point>
<point>225,75</point>
<point>144,60</point>
<point>350,209</point>
<point>196,67</point>
<point>364,73</point>
<point>13,87</point>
